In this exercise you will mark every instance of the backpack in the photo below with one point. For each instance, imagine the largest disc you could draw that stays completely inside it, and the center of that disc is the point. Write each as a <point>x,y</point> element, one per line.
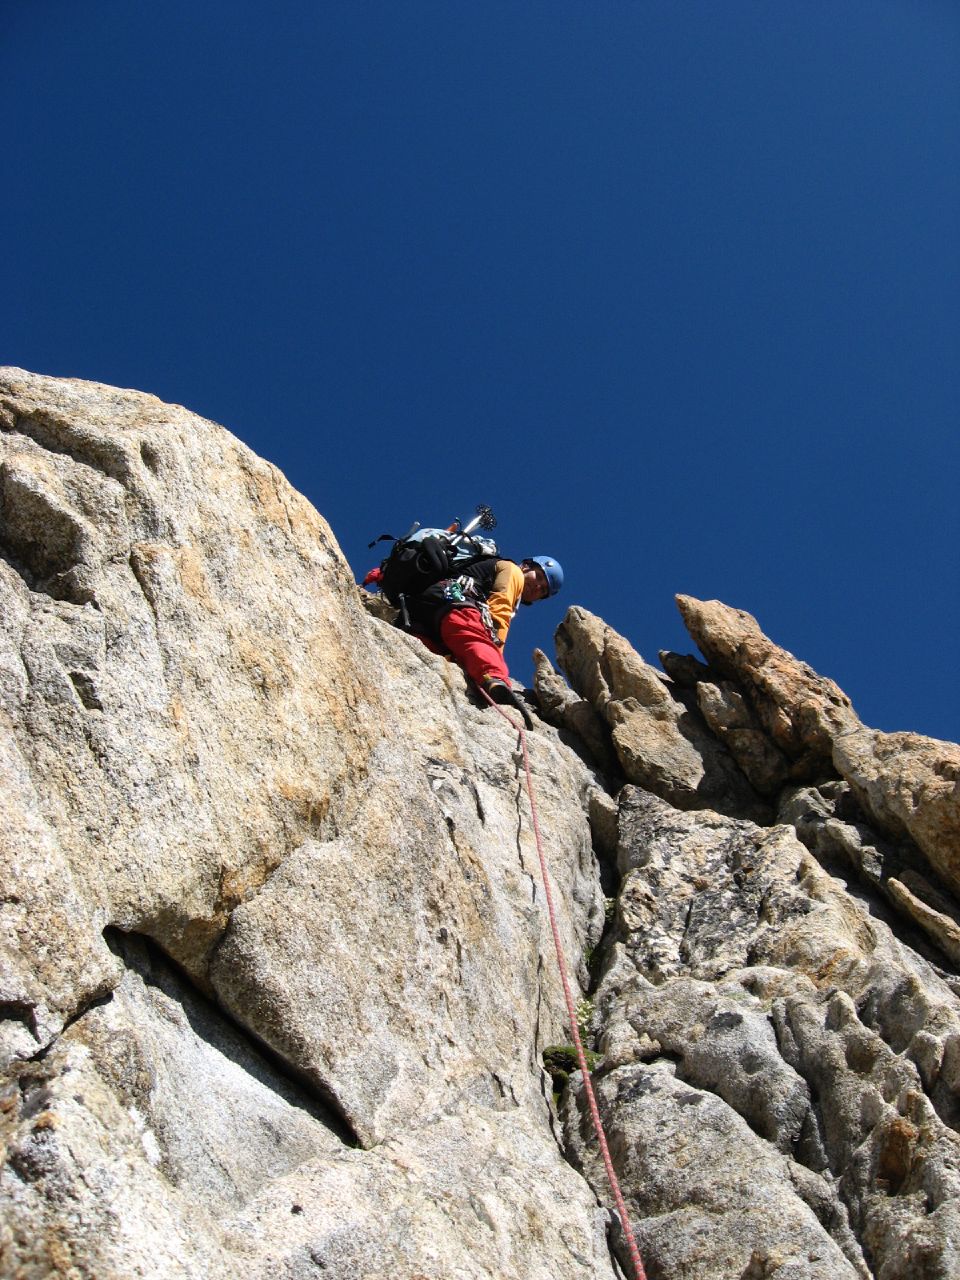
<point>426,556</point>
<point>423,557</point>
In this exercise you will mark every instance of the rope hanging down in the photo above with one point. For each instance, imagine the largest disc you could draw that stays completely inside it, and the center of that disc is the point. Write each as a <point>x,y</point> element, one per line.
<point>638,1271</point>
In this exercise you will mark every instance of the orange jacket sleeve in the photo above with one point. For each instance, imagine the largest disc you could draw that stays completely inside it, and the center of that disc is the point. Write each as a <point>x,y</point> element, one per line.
<point>505,596</point>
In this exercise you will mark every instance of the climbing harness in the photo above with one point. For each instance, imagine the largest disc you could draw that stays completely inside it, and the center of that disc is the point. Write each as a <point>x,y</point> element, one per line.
<point>638,1271</point>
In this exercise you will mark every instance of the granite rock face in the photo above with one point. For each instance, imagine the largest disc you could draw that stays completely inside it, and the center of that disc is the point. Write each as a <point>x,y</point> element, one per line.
<point>216,760</point>
<point>658,743</point>
<point>908,785</point>
<point>780,993</point>
<point>276,978</point>
<point>748,990</point>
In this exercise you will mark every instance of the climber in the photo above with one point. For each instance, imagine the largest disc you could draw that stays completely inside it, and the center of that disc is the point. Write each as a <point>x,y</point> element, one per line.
<point>468,617</point>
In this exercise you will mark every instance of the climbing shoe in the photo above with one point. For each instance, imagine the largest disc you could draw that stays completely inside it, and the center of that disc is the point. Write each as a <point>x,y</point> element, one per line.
<point>502,694</point>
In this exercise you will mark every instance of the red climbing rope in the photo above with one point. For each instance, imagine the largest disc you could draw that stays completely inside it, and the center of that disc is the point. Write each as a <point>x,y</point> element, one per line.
<point>638,1271</point>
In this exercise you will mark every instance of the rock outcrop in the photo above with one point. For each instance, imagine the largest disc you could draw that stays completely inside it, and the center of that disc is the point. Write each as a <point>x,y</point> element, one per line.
<point>276,979</point>
<point>273,984</point>
<point>907,784</point>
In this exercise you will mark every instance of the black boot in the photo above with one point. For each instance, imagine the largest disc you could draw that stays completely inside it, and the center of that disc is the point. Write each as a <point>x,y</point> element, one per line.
<point>503,695</point>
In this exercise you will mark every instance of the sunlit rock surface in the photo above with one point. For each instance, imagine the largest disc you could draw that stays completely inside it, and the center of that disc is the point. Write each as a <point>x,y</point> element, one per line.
<point>907,784</point>
<point>276,978</point>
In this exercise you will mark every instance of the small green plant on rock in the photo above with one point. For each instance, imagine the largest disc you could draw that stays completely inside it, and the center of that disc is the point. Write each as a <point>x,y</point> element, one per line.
<point>584,1016</point>
<point>560,1060</point>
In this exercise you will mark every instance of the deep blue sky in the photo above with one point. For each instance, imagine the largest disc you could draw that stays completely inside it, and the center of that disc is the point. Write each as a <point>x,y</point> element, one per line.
<point>672,285</point>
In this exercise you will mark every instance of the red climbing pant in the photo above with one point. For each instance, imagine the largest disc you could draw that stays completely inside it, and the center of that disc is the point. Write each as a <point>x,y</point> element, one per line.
<point>463,633</point>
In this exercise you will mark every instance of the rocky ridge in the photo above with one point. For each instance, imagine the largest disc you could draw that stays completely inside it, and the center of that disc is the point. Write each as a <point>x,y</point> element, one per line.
<point>276,981</point>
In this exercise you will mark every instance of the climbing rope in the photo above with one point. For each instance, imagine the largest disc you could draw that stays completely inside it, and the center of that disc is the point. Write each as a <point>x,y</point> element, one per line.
<point>638,1271</point>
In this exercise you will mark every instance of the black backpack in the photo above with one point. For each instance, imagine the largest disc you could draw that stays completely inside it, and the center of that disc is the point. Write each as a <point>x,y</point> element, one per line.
<point>425,556</point>
<point>428,556</point>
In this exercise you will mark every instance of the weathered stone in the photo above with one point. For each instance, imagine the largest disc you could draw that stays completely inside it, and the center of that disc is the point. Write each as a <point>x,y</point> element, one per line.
<point>475,1195</point>
<point>908,785</point>
<point>940,925</point>
<point>729,716</point>
<point>390,1032</point>
<point>707,1196</point>
<point>51,961</point>
<point>209,743</point>
<point>741,968</point>
<point>153,1140</point>
<point>800,710</point>
<point>893,869</point>
<point>829,821</point>
<point>561,707</point>
<point>604,822</point>
<point>377,606</point>
<point>660,743</point>
<point>721,1040</point>
<point>899,1165</point>
<point>163,710</point>
<point>684,669</point>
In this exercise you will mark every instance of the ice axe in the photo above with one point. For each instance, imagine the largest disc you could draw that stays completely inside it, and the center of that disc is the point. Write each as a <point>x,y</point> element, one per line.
<point>484,518</point>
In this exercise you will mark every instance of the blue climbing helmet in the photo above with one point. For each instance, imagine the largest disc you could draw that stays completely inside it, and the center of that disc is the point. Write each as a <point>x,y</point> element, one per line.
<point>553,571</point>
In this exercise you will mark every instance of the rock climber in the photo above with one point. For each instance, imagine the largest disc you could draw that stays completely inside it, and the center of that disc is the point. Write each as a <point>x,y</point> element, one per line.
<point>468,617</point>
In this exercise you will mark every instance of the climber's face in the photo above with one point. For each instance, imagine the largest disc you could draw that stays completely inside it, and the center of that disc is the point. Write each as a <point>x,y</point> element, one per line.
<point>535,585</point>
